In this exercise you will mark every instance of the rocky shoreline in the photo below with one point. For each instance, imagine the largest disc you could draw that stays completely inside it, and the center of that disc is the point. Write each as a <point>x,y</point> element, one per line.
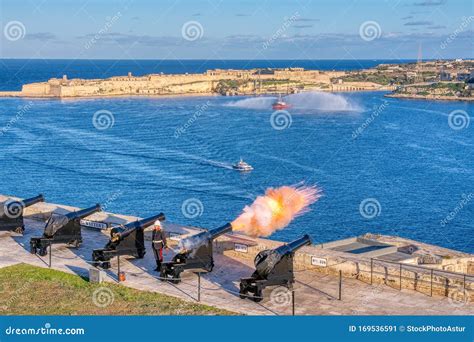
<point>429,97</point>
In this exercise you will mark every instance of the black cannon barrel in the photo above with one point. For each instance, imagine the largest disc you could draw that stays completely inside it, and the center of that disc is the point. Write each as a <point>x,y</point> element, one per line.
<point>215,233</point>
<point>212,233</point>
<point>266,260</point>
<point>84,212</point>
<point>294,245</point>
<point>33,200</point>
<point>127,229</point>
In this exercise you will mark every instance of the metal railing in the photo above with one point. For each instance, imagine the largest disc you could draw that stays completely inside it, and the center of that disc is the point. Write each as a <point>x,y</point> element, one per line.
<point>424,278</point>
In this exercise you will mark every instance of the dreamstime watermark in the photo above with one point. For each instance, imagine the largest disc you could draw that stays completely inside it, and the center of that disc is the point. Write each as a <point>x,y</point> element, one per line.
<point>103,297</point>
<point>457,209</point>
<point>14,30</point>
<point>109,22</point>
<point>46,330</point>
<point>281,296</point>
<point>280,32</point>
<point>458,297</point>
<point>22,110</point>
<point>370,208</point>
<point>370,30</point>
<point>103,119</point>
<point>13,208</point>
<point>459,119</point>
<point>370,296</point>
<point>18,292</point>
<point>110,199</point>
<point>199,111</point>
<point>466,21</point>
<point>281,119</point>
<point>377,111</point>
<point>192,208</point>
<point>192,30</point>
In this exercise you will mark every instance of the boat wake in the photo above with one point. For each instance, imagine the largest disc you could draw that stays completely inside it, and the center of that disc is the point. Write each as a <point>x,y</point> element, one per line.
<point>88,139</point>
<point>304,102</point>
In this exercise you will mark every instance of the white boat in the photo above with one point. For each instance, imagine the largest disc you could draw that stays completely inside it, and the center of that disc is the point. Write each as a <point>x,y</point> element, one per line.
<point>242,166</point>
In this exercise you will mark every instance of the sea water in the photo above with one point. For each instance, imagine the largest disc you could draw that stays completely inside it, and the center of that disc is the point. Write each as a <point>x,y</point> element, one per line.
<point>384,165</point>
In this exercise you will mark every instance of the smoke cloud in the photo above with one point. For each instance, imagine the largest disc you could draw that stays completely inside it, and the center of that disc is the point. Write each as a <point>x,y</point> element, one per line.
<point>191,243</point>
<point>275,210</point>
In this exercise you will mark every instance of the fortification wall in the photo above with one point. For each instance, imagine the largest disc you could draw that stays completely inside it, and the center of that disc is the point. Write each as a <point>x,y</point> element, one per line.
<point>175,84</point>
<point>35,89</point>
<point>433,281</point>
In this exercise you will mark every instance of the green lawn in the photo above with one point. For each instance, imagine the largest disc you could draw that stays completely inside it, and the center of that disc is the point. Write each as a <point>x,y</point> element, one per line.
<point>30,290</point>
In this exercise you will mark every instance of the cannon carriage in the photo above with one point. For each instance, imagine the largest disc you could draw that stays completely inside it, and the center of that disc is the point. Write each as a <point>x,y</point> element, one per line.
<point>62,229</point>
<point>272,267</point>
<point>11,213</point>
<point>125,240</point>
<point>197,254</point>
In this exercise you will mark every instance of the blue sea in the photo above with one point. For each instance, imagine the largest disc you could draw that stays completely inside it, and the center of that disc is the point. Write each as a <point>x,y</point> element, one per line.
<point>384,165</point>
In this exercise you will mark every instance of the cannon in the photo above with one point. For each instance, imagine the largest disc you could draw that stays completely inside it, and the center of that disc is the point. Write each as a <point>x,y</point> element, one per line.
<point>196,254</point>
<point>124,240</point>
<point>62,229</point>
<point>272,267</point>
<point>11,213</point>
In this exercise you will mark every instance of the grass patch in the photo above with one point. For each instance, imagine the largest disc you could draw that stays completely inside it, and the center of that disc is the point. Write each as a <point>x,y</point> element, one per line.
<point>31,290</point>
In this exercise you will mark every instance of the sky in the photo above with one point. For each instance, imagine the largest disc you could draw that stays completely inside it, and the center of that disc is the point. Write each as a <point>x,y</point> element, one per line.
<point>220,29</point>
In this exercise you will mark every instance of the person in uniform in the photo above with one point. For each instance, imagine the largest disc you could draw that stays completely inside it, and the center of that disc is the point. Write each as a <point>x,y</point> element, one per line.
<point>158,244</point>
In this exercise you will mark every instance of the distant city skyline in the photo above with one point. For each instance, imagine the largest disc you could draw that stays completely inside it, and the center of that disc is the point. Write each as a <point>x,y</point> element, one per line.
<point>279,29</point>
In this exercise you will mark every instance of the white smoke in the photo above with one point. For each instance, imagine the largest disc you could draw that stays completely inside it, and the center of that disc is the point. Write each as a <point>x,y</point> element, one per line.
<point>253,103</point>
<point>192,243</point>
<point>302,102</point>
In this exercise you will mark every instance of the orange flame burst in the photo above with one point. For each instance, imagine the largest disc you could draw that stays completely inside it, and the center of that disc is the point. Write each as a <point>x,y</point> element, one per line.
<point>275,210</point>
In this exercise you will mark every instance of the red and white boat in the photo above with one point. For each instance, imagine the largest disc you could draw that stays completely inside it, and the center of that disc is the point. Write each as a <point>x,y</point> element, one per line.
<point>280,104</point>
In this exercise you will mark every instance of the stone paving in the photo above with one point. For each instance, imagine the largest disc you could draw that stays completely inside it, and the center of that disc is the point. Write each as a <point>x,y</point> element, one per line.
<point>315,293</point>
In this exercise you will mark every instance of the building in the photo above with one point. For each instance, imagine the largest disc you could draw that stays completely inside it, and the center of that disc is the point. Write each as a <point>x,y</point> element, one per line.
<point>463,75</point>
<point>444,76</point>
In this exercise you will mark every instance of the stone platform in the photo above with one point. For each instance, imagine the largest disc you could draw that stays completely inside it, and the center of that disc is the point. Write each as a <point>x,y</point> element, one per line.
<point>316,293</point>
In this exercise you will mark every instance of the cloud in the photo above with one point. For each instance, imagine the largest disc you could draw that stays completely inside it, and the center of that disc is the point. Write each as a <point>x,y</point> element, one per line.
<point>437,27</point>
<point>197,15</point>
<point>306,19</point>
<point>242,15</point>
<point>302,26</point>
<point>418,23</point>
<point>430,3</point>
<point>41,36</point>
<point>285,43</point>
<point>407,17</point>
<point>128,39</point>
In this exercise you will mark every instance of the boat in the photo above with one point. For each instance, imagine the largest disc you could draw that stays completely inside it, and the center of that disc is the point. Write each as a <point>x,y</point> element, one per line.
<point>242,166</point>
<point>280,104</point>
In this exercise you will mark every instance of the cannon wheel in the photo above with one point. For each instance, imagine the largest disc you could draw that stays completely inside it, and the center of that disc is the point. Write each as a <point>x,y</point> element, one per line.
<point>209,267</point>
<point>42,251</point>
<point>176,276</point>
<point>243,291</point>
<point>106,265</point>
<point>258,296</point>
<point>20,230</point>
<point>163,275</point>
<point>75,243</point>
<point>32,250</point>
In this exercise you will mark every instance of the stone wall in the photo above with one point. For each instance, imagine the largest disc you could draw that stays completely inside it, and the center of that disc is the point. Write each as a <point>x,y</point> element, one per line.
<point>177,84</point>
<point>35,89</point>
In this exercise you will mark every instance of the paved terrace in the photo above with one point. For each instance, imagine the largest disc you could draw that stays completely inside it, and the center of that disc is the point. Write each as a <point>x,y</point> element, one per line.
<point>315,293</point>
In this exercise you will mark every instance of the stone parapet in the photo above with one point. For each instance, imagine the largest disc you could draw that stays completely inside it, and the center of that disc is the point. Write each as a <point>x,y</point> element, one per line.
<point>453,276</point>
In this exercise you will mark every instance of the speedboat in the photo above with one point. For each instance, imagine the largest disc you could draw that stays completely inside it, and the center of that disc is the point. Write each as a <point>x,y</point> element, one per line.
<point>280,104</point>
<point>242,166</point>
